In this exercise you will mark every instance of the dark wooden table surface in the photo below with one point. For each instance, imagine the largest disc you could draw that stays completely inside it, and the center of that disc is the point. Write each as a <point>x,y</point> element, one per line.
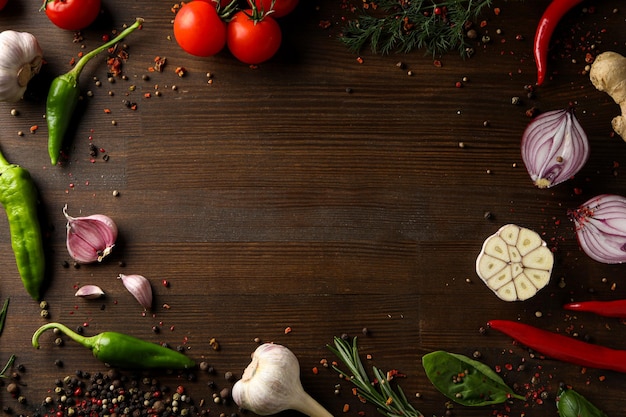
<point>316,194</point>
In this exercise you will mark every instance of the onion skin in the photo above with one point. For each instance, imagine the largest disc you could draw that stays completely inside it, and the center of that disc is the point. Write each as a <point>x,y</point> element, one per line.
<point>601,228</point>
<point>554,147</point>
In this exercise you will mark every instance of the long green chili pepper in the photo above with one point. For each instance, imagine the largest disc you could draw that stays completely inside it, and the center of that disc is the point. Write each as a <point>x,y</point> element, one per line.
<point>19,197</point>
<point>123,351</point>
<point>64,94</point>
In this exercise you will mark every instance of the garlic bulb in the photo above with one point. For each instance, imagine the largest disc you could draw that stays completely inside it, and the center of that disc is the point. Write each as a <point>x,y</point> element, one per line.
<point>91,238</point>
<point>515,263</point>
<point>21,58</point>
<point>271,384</point>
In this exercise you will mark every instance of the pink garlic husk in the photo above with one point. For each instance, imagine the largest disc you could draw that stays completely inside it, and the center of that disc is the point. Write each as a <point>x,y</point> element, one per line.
<point>139,287</point>
<point>601,228</point>
<point>90,292</point>
<point>90,239</point>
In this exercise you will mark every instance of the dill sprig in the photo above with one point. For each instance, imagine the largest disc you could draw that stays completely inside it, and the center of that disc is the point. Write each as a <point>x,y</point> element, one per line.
<point>405,25</point>
<point>388,402</point>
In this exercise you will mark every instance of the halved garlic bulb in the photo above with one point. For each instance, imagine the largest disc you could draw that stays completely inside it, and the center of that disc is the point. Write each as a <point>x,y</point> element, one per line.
<point>515,263</point>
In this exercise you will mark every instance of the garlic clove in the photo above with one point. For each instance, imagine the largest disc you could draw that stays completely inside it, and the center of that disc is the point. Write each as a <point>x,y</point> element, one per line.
<point>90,292</point>
<point>90,239</point>
<point>139,287</point>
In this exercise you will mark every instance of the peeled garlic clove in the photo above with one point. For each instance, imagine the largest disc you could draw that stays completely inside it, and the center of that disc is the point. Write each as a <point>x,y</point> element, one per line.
<point>90,292</point>
<point>139,287</point>
<point>91,238</point>
<point>515,263</point>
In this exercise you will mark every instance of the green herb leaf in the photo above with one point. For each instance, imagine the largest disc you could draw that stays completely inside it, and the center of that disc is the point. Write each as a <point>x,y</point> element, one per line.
<point>570,403</point>
<point>388,402</point>
<point>466,381</point>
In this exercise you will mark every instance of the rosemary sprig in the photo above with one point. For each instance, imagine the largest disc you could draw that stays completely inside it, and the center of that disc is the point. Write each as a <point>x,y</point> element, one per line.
<point>388,402</point>
<point>3,314</point>
<point>406,25</point>
<point>7,366</point>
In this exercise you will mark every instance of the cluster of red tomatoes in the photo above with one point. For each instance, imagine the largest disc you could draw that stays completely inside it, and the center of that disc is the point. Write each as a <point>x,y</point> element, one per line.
<point>251,34</point>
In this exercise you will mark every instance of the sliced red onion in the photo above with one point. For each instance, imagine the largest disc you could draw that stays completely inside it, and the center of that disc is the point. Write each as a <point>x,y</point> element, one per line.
<point>554,147</point>
<point>601,228</point>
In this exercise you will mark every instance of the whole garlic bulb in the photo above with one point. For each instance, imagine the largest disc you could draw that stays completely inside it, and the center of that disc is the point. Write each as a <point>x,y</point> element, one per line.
<point>271,384</point>
<point>21,58</point>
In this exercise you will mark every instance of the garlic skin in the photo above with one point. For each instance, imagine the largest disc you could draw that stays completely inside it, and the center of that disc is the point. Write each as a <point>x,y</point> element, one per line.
<point>89,292</point>
<point>139,287</point>
<point>271,384</point>
<point>21,58</point>
<point>91,238</point>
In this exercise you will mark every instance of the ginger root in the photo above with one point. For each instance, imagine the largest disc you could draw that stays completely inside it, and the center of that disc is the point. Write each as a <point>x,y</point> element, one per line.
<point>608,74</point>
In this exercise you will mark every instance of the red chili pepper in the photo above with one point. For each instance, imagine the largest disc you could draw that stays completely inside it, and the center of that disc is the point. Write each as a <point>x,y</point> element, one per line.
<point>548,22</point>
<point>561,347</point>
<point>616,308</point>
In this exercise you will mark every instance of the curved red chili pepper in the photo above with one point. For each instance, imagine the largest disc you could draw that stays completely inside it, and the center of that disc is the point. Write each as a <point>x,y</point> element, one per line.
<point>548,22</point>
<point>561,347</point>
<point>616,308</point>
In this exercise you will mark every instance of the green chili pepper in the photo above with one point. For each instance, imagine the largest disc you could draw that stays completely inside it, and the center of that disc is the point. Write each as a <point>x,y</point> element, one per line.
<point>19,197</point>
<point>64,94</point>
<point>123,351</point>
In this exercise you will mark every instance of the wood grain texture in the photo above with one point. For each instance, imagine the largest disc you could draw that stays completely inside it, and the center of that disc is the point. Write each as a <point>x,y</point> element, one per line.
<point>314,193</point>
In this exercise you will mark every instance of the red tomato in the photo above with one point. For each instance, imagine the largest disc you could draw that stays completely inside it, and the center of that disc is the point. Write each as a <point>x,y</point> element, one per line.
<point>222,3</point>
<point>250,41</point>
<point>72,14</point>
<point>199,30</point>
<point>281,7</point>
<point>3,3</point>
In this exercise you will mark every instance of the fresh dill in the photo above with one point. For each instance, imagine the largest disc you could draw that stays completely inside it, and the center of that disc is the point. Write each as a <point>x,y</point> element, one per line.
<point>406,25</point>
<point>388,402</point>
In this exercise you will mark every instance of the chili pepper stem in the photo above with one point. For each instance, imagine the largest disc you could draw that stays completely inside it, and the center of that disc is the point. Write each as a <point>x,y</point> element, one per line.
<point>82,340</point>
<point>75,72</point>
<point>4,163</point>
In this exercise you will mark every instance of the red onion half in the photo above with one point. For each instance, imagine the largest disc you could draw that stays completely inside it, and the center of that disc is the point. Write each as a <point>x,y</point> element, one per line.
<point>554,147</point>
<point>601,228</point>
